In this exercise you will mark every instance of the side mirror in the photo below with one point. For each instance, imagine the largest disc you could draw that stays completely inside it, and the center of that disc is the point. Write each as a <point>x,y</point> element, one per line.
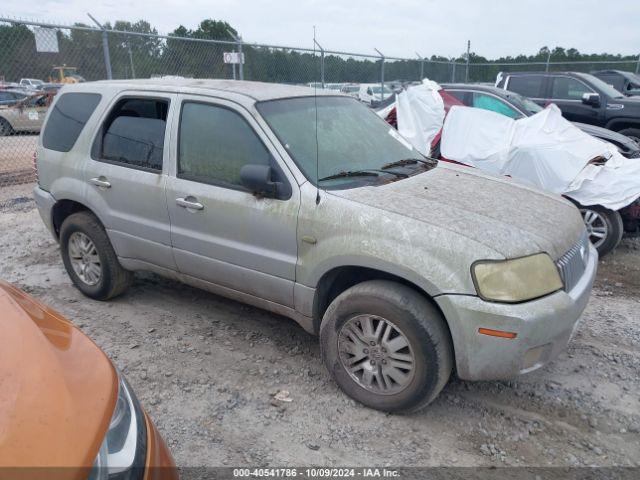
<point>257,178</point>
<point>592,99</point>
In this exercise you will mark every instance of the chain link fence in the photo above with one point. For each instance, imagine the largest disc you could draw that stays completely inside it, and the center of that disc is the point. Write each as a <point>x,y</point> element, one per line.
<point>37,58</point>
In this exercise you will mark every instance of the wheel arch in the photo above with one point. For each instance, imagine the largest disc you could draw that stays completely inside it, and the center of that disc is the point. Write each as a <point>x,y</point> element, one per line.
<point>338,279</point>
<point>65,207</point>
<point>617,124</point>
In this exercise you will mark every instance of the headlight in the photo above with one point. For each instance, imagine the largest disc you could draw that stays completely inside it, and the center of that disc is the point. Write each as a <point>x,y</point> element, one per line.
<point>516,280</point>
<point>123,452</point>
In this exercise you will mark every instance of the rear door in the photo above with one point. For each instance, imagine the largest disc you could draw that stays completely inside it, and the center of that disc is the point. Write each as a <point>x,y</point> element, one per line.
<point>532,86</point>
<point>126,176</point>
<point>220,231</point>
<point>566,92</point>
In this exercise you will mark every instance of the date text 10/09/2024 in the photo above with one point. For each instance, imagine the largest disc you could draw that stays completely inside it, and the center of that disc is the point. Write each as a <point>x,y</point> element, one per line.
<point>315,472</point>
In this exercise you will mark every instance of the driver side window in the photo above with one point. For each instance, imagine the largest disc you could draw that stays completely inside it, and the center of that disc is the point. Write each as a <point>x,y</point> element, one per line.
<point>565,88</point>
<point>214,144</point>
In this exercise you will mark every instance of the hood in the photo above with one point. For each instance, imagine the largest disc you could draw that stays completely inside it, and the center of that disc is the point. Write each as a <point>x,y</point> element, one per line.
<point>632,102</point>
<point>57,388</point>
<point>626,145</point>
<point>507,217</point>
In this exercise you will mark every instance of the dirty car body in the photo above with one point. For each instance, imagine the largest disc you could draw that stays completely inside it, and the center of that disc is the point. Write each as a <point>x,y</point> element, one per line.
<point>307,240</point>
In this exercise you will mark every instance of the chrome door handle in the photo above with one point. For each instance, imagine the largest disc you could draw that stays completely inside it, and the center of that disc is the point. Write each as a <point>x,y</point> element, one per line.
<point>189,203</point>
<point>100,182</point>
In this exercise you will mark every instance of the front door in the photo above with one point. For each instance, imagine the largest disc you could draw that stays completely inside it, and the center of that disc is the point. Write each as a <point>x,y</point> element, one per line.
<point>566,93</point>
<point>220,231</point>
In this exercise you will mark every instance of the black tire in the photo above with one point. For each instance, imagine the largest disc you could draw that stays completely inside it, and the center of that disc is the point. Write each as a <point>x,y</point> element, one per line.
<point>613,224</point>
<point>420,322</point>
<point>632,133</point>
<point>114,279</point>
<point>5,128</point>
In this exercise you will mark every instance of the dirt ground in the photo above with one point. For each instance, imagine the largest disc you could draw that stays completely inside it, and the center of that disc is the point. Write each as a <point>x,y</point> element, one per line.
<point>206,370</point>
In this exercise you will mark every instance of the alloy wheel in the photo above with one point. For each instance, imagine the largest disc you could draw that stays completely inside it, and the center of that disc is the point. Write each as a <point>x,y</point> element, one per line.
<point>597,227</point>
<point>376,354</point>
<point>84,258</point>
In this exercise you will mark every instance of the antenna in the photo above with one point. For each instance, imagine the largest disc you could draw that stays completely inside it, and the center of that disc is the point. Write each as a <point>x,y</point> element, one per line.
<point>315,102</point>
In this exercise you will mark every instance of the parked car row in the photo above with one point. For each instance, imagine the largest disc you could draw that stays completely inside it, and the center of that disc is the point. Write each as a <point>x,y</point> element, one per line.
<point>369,93</point>
<point>606,226</point>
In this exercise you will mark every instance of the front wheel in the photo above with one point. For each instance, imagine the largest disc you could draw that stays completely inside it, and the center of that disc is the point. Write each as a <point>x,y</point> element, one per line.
<point>386,346</point>
<point>604,227</point>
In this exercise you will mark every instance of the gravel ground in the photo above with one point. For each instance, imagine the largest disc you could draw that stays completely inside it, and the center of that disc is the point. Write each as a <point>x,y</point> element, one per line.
<point>207,368</point>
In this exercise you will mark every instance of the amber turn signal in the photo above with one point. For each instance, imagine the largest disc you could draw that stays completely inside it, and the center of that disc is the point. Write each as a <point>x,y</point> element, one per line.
<point>497,333</point>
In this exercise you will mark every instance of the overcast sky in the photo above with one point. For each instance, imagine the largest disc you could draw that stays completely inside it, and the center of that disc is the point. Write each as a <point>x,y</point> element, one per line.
<point>397,28</point>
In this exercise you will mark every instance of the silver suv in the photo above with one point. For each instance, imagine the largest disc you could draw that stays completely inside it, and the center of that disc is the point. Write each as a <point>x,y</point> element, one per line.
<point>314,208</point>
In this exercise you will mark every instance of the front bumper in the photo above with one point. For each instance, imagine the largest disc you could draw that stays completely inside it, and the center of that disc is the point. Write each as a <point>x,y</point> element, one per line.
<point>543,328</point>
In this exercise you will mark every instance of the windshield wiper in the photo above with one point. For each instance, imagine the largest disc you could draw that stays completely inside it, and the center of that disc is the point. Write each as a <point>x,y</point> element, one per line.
<point>361,173</point>
<point>354,173</point>
<point>410,161</point>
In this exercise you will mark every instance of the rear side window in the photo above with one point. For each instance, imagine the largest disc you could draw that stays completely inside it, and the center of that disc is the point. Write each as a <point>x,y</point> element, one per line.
<point>215,143</point>
<point>132,135</point>
<point>529,86</point>
<point>67,119</point>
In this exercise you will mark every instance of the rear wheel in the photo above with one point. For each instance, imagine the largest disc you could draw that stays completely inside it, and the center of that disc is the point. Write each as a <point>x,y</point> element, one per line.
<point>90,259</point>
<point>386,346</point>
<point>604,227</point>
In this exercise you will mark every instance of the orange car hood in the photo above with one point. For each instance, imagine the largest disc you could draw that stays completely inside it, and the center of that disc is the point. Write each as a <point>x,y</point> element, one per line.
<point>57,388</point>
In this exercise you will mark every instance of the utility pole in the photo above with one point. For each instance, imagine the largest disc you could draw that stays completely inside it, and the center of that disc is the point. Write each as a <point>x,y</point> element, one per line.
<point>105,47</point>
<point>421,66</point>
<point>381,74</point>
<point>466,74</point>
<point>638,65</point>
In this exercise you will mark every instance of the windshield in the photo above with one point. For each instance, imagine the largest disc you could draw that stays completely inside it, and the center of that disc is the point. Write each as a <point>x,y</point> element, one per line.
<point>607,89</point>
<point>377,90</point>
<point>353,88</point>
<point>350,137</point>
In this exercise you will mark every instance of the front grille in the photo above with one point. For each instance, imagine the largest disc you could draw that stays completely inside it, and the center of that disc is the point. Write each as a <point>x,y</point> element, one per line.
<point>573,263</point>
<point>635,154</point>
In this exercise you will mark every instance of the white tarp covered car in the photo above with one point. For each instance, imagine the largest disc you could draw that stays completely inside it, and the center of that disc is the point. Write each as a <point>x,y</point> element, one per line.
<point>420,111</point>
<point>548,152</point>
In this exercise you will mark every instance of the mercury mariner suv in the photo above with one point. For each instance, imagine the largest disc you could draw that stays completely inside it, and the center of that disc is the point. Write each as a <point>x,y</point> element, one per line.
<point>305,203</point>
